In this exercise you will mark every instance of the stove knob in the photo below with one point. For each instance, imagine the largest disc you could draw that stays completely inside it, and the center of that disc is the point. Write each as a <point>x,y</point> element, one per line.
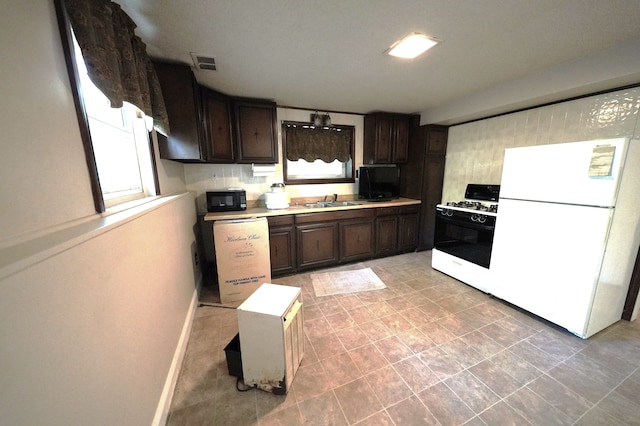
<point>482,218</point>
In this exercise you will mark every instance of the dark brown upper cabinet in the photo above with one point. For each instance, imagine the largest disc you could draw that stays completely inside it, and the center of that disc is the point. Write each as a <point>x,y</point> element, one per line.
<point>186,140</point>
<point>386,138</point>
<point>209,127</point>
<point>218,127</point>
<point>255,131</point>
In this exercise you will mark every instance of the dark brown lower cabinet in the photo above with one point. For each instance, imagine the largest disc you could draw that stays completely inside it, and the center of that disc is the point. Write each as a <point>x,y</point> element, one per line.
<point>434,176</point>
<point>282,243</point>
<point>387,231</point>
<point>357,239</point>
<point>317,244</point>
<point>408,222</point>
<point>423,175</point>
<point>320,239</point>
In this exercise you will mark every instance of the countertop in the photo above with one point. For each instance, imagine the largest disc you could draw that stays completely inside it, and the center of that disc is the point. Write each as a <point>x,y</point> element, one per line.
<point>301,208</point>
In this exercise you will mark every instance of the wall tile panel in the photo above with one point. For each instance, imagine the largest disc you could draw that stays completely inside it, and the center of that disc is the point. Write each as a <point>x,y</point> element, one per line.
<point>573,130</point>
<point>558,118</point>
<point>545,117</point>
<point>475,151</point>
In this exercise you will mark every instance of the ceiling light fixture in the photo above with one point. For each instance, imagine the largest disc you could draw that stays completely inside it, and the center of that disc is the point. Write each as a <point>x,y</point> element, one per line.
<point>412,46</point>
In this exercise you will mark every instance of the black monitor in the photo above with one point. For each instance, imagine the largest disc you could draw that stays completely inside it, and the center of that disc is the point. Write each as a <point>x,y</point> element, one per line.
<point>378,183</point>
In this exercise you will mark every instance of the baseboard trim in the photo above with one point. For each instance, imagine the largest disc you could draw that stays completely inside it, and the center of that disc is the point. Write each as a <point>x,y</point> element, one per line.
<point>164,405</point>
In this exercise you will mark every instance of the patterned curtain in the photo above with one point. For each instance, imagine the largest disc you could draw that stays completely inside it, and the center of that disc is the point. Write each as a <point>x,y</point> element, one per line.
<point>116,58</point>
<point>310,144</point>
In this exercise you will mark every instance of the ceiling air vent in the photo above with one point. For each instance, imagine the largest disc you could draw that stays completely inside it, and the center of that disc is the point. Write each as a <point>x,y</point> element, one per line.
<point>203,62</point>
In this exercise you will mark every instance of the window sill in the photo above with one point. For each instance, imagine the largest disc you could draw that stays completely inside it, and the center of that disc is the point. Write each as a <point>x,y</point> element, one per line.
<point>118,208</point>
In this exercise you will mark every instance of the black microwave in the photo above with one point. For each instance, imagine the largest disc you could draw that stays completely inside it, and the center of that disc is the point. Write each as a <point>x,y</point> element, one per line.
<point>226,200</point>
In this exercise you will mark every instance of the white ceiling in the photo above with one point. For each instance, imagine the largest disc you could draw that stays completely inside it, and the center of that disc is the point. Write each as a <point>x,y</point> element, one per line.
<point>496,55</point>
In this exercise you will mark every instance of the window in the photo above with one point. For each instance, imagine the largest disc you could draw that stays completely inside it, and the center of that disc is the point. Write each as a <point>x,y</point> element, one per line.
<point>120,142</point>
<point>118,152</point>
<point>317,154</point>
<point>302,169</point>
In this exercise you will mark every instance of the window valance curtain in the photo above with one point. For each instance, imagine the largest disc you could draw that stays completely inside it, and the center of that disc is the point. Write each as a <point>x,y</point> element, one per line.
<point>116,58</point>
<point>310,144</point>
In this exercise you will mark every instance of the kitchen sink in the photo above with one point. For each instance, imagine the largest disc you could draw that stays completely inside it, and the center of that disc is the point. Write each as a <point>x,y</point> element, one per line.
<point>318,205</point>
<point>324,204</point>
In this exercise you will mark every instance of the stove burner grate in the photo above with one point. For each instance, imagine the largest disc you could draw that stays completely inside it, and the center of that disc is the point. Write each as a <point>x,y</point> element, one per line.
<point>474,205</point>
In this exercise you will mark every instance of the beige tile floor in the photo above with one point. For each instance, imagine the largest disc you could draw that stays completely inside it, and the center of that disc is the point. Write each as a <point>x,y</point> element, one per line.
<point>426,350</point>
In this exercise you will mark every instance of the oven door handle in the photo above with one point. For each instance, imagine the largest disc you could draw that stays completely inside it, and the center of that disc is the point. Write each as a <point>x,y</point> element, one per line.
<point>465,224</point>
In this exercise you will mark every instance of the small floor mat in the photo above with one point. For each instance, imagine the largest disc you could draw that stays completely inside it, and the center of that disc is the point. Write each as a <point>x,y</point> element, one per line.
<point>342,282</point>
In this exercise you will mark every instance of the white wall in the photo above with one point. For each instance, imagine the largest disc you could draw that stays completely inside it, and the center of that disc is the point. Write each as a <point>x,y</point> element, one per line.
<point>618,66</point>
<point>204,177</point>
<point>92,308</point>
<point>89,333</point>
<point>475,150</point>
<point>42,161</point>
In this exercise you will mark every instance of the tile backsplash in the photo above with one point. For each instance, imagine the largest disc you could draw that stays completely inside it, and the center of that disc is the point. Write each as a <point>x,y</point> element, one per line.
<point>475,150</point>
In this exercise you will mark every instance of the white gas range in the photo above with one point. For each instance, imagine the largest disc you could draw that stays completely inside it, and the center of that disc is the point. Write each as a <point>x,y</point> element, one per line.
<point>464,236</point>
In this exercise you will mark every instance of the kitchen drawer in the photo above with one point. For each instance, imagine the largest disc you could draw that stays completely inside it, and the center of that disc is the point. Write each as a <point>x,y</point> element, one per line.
<point>415,208</point>
<point>334,216</point>
<point>286,220</point>
<point>387,211</point>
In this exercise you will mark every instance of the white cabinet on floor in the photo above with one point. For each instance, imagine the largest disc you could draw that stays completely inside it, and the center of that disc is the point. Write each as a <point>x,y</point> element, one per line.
<point>270,324</point>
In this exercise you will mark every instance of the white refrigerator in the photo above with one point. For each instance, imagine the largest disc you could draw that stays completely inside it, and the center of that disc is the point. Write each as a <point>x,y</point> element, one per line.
<point>568,231</point>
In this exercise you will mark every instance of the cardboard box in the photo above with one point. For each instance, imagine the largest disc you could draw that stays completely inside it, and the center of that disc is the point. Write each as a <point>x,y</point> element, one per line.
<point>242,257</point>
